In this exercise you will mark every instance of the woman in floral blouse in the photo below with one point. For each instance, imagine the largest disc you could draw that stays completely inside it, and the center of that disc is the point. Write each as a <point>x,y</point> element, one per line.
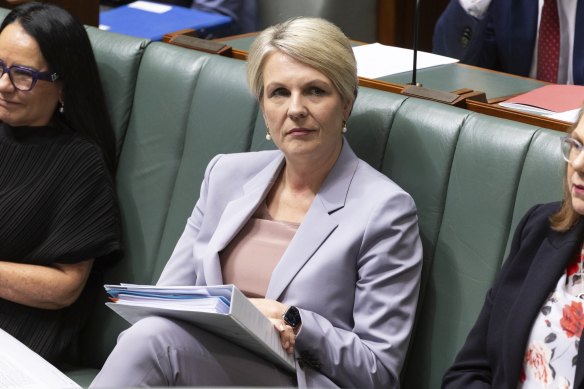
<point>528,332</point>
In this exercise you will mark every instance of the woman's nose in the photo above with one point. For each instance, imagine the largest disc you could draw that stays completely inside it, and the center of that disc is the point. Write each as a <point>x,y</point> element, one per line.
<point>6,83</point>
<point>578,162</point>
<point>297,107</point>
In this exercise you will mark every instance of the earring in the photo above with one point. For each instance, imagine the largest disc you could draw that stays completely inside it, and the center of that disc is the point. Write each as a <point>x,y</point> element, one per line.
<point>62,108</point>
<point>344,130</point>
<point>268,136</point>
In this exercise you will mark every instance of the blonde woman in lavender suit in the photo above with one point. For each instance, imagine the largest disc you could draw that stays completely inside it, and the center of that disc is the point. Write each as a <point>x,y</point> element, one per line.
<point>322,243</point>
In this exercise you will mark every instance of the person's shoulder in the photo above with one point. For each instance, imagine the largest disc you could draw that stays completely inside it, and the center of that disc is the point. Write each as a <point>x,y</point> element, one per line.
<point>535,224</point>
<point>247,162</point>
<point>82,157</point>
<point>542,212</point>
<point>367,175</point>
<point>547,209</point>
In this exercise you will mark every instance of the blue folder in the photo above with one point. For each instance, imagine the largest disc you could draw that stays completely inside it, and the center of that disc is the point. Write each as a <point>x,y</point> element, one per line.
<point>151,25</point>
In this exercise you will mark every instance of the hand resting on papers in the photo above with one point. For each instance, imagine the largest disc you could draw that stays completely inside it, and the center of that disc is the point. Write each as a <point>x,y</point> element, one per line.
<point>274,310</point>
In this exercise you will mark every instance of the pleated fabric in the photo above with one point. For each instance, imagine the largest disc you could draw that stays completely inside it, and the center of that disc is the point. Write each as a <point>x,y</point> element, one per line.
<point>57,205</point>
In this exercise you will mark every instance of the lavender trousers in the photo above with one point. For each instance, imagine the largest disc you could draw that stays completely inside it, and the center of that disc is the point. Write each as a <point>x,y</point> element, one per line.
<point>163,352</point>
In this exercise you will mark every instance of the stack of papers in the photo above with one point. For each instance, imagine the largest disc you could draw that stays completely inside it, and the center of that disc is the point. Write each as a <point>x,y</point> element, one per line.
<point>20,367</point>
<point>205,299</point>
<point>222,310</point>
<point>561,102</point>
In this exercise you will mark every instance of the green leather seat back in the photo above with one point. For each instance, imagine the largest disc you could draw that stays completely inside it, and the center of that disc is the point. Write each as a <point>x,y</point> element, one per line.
<point>118,58</point>
<point>542,176</point>
<point>176,125</point>
<point>209,131</point>
<point>369,125</point>
<point>493,166</point>
<point>419,157</point>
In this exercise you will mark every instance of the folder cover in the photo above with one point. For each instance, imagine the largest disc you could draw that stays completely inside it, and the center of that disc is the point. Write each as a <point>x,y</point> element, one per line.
<point>549,99</point>
<point>143,19</point>
<point>242,323</point>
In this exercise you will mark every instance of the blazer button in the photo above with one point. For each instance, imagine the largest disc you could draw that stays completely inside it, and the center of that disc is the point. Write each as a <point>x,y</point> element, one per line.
<point>465,38</point>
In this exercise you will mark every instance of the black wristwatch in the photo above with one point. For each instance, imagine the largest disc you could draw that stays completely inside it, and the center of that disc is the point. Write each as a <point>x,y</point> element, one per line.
<point>292,317</point>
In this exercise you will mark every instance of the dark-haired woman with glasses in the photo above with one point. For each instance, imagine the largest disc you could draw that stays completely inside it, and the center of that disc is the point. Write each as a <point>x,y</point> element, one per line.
<point>528,334</point>
<point>59,219</point>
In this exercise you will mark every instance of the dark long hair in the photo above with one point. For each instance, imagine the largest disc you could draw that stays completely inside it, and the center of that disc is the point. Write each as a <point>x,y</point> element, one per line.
<point>65,46</point>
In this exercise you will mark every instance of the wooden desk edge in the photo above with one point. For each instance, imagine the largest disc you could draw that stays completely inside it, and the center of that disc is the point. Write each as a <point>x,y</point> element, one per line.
<point>474,106</point>
<point>518,116</point>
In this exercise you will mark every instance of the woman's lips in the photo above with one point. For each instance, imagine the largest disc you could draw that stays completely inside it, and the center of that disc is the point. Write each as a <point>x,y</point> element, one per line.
<point>299,131</point>
<point>6,103</point>
<point>578,189</point>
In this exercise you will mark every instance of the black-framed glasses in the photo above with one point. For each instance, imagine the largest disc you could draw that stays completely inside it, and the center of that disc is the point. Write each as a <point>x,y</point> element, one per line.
<point>571,149</point>
<point>23,78</point>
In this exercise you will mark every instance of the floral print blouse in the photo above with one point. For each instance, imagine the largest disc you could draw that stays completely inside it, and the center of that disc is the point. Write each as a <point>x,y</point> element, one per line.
<point>552,350</point>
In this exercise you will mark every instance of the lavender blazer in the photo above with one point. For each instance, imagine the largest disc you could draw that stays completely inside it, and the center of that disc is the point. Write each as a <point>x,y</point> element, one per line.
<point>353,267</point>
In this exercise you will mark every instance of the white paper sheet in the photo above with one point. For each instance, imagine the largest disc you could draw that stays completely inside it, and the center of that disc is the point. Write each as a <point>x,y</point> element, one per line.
<point>150,7</point>
<point>377,60</point>
<point>567,116</point>
<point>21,367</point>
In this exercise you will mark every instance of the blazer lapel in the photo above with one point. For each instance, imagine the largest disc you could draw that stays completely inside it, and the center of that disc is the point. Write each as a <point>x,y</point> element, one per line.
<point>318,224</point>
<point>543,274</point>
<point>236,214</point>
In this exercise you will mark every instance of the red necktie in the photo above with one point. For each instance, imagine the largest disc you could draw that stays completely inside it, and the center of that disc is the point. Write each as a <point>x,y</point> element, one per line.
<point>548,44</point>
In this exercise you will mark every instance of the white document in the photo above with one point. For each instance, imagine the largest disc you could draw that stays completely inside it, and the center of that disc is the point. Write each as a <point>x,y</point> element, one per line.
<point>570,116</point>
<point>242,324</point>
<point>150,7</point>
<point>20,367</point>
<point>377,60</point>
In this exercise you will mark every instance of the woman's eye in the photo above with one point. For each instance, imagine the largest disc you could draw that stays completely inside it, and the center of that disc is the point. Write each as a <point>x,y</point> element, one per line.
<point>316,91</point>
<point>280,92</point>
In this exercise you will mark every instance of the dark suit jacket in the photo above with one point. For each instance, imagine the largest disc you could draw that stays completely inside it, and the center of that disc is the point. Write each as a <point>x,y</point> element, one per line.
<point>493,353</point>
<point>503,40</point>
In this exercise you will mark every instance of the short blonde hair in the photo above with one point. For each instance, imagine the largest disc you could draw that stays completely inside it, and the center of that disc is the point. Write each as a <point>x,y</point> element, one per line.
<point>312,41</point>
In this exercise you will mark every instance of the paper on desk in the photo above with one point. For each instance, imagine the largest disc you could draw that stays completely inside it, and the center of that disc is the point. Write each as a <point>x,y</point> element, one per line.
<point>377,60</point>
<point>150,7</point>
<point>556,101</point>
<point>567,116</point>
<point>20,367</point>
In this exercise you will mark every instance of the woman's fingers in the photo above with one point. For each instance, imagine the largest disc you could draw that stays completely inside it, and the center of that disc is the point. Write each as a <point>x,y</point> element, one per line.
<point>287,336</point>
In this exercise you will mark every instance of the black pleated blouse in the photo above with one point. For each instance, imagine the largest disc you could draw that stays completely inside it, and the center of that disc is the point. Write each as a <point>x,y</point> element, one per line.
<point>57,205</point>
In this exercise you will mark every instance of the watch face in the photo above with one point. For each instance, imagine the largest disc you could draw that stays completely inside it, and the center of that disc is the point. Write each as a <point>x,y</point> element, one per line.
<point>292,317</point>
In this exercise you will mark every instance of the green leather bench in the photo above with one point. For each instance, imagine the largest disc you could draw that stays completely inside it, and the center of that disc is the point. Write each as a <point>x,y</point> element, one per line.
<point>472,177</point>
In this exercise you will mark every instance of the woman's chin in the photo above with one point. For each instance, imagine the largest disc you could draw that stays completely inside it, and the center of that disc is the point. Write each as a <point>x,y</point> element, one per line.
<point>578,205</point>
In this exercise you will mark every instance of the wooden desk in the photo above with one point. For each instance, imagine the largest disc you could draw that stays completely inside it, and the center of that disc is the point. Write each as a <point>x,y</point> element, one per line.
<point>452,77</point>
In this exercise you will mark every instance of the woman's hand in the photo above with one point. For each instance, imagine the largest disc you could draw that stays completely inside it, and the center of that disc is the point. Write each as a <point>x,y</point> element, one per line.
<point>274,310</point>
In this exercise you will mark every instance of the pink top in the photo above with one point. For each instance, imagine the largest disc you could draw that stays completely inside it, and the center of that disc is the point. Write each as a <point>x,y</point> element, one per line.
<point>250,258</point>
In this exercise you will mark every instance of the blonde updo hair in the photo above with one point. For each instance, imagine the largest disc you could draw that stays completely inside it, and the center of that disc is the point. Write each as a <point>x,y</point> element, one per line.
<point>311,41</point>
